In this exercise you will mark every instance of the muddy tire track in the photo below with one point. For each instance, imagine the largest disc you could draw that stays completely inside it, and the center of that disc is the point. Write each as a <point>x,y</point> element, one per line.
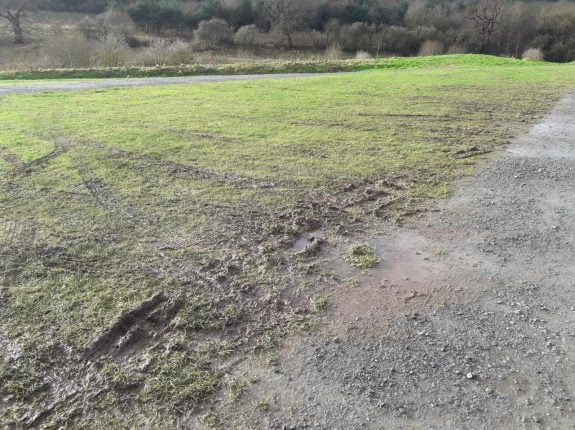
<point>135,328</point>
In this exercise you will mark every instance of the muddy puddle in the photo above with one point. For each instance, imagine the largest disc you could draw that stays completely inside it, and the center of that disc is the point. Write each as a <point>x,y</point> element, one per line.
<point>410,277</point>
<point>306,241</point>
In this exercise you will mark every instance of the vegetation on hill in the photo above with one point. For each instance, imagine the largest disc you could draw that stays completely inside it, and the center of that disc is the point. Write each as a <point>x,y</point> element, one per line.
<point>167,32</point>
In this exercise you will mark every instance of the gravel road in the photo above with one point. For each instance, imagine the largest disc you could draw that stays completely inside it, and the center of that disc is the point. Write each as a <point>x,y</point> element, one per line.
<point>140,82</point>
<point>468,324</point>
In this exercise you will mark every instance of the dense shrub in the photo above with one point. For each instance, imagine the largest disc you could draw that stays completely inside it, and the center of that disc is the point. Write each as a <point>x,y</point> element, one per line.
<point>179,52</point>
<point>246,36</point>
<point>213,33</point>
<point>110,51</point>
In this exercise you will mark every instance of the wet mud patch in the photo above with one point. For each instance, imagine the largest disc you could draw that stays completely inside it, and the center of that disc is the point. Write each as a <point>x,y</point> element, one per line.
<point>135,328</point>
<point>412,276</point>
<point>307,244</point>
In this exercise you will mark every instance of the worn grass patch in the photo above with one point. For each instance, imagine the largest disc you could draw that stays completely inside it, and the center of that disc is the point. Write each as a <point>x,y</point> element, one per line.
<point>145,232</point>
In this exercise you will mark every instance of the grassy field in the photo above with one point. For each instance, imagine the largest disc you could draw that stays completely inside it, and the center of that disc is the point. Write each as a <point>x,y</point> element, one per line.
<point>145,233</point>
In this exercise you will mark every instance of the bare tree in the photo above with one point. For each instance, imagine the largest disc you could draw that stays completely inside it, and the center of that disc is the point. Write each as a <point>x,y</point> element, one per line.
<point>288,16</point>
<point>14,12</point>
<point>486,18</point>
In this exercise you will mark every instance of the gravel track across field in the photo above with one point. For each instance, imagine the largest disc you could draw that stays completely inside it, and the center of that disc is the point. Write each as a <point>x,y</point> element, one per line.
<point>141,82</point>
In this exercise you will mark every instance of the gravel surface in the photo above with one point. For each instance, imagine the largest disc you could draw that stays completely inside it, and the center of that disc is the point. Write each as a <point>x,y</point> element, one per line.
<point>140,82</point>
<point>479,334</point>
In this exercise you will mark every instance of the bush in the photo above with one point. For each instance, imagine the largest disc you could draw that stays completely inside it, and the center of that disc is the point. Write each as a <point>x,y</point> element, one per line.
<point>178,53</point>
<point>431,47</point>
<point>68,51</point>
<point>246,36</point>
<point>363,55</point>
<point>155,54</point>
<point>533,54</point>
<point>161,52</point>
<point>110,51</point>
<point>213,33</point>
<point>334,52</point>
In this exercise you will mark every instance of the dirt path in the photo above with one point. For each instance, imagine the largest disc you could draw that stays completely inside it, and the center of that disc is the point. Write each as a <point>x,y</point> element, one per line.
<point>468,323</point>
<point>140,82</point>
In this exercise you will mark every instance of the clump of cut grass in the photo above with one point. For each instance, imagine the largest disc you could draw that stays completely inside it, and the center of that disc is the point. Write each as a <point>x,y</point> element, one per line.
<point>263,406</point>
<point>320,303</point>
<point>237,388</point>
<point>362,257</point>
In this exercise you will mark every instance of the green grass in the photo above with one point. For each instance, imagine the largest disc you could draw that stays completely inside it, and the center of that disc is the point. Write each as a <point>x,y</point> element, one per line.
<point>362,257</point>
<point>108,197</point>
<point>271,67</point>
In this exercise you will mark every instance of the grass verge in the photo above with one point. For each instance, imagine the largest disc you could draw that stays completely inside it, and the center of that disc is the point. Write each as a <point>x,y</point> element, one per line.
<point>270,67</point>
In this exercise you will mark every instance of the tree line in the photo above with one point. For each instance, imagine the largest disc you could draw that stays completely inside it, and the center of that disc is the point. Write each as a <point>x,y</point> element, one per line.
<point>382,27</point>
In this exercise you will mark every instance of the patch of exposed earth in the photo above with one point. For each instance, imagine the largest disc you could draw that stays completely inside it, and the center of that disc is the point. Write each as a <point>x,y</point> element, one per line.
<point>468,321</point>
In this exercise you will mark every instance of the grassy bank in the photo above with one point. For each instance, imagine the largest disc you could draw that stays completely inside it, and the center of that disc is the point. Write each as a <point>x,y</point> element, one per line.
<point>269,67</point>
<point>193,195</point>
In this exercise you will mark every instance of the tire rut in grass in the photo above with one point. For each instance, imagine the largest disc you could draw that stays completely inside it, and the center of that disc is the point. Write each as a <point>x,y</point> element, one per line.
<point>10,158</point>
<point>135,328</point>
<point>31,167</point>
<point>106,197</point>
<point>176,168</point>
